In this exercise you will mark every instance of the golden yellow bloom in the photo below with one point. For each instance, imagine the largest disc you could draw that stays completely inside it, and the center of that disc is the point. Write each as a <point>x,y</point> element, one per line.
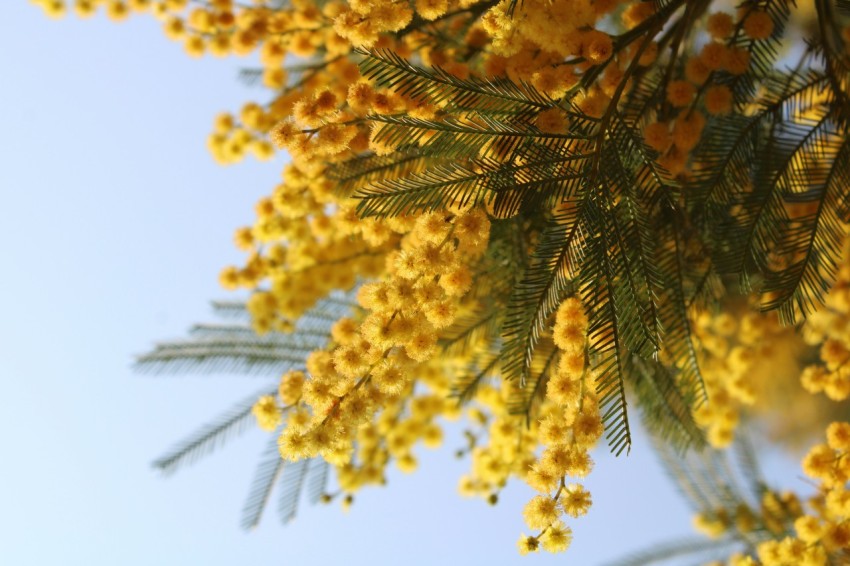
<point>758,25</point>
<point>291,385</point>
<point>267,413</point>
<point>598,46</point>
<point>718,100</point>
<point>527,544</point>
<point>576,500</point>
<point>720,25</point>
<point>556,538</point>
<point>540,512</point>
<point>680,93</point>
<point>422,345</point>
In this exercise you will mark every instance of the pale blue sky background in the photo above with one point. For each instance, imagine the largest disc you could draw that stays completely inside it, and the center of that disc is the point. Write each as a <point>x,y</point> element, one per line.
<point>113,226</point>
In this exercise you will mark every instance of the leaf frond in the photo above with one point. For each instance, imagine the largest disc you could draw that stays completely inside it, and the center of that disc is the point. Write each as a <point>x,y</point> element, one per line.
<point>211,436</point>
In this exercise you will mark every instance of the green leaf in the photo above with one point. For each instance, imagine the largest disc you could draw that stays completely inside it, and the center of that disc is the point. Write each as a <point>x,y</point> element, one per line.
<point>666,410</point>
<point>443,89</point>
<point>292,485</point>
<point>266,476</point>
<point>212,436</point>
<point>538,294</point>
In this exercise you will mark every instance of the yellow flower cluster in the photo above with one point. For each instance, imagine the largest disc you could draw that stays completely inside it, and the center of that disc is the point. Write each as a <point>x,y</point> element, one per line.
<point>568,427</point>
<point>361,407</point>
<point>740,357</point>
<point>816,534</point>
<point>675,134</point>
<point>828,329</point>
<point>752,364</point>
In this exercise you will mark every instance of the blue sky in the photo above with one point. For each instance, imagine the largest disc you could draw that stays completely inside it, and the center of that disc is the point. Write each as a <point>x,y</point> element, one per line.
<point>114,225</point>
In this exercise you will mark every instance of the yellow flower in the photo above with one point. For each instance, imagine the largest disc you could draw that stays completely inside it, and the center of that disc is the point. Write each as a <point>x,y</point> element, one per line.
<point>575,500</point>
<point>557,537</point>
<point>267,413</point>
<point>457,281</point>
<point>291,385</point>
<point>758,25</point>
<point>680,93</point>
<point>563,389</point>
<point>540,512</point>
<point>720,25</point>
<point>431,9</point>
<point>527,544</point>
<point>422,345</point>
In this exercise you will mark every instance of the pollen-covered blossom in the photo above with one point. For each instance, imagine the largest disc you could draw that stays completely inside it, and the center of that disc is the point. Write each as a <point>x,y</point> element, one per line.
<point>267,412</point>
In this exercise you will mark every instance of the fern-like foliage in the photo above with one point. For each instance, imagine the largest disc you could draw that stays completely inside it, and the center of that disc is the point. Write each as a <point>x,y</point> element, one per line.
<point>212,435</point>
<point>598,217</point>
<point>235,346</point>
<point>661,400</point>
<point>290,479</point>
<point>441,88</point>
<point>783,170</point>
<point>266,476</point>
<point>717,483</point>
<point>604,201</point>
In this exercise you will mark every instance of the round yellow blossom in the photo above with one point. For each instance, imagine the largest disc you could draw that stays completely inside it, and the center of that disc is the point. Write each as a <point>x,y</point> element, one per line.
<point>720,25</point>
<point>838,436</point>
<point>563,390</point>
<point>688,129</point>
<point>572,364</point>
<point>713,56</point>
<point>758,25</point>
<point>291,385</point>
<point>440,313</point>
<point>350,360</point>
<point>575,500</point>
<point>818,463</point>
<point>540,512</point>
<point>587,429</point>
<point>808,528</point>
<point>569,338</point>
<point>431,9</point>
<point>421,346</point>
<point>680,93</point>
<point>457,281</point>
<point>556,538</point>
<point>598,46</point>
<point>390,378</point>
<point>696,71</point>
<point>527,544</point>
<point>117,11</point>
<point>407,463</point>
<point>267,413</point>
<point>837,536</point>
<point>344,331</point>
